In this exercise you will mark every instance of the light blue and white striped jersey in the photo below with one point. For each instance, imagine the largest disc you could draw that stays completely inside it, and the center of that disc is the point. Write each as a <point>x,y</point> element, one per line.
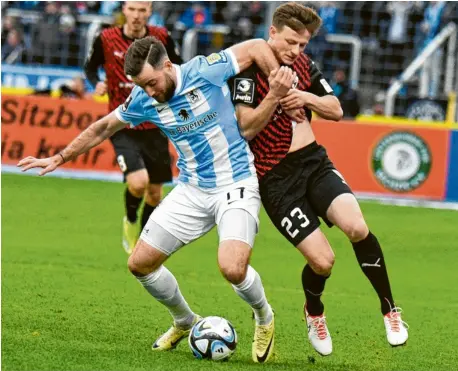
<point>200,121</point>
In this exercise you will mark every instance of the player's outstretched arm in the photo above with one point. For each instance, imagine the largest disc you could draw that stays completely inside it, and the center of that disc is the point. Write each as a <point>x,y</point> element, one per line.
<point>95,134</point>
<point>255,51</point>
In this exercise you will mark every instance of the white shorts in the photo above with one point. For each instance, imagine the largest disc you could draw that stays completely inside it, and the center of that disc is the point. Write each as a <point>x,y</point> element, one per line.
<point>189,212</point>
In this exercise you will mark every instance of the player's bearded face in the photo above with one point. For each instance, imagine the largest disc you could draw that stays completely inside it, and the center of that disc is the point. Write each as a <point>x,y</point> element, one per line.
<point>169,90</point>
<point>288,44</point>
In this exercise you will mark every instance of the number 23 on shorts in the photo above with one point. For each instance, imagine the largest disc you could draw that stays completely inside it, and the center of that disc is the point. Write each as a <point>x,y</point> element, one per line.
<point>287,223</point>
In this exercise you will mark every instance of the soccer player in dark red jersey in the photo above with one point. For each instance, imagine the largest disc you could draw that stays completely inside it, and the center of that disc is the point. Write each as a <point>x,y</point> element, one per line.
<point>298,182</point>
<point>142,152</point>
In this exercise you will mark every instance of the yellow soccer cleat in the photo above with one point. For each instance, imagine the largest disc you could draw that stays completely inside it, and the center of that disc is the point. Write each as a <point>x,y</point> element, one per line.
<point>129,235</point>
<point>263,342</point>
<point>173,336</point>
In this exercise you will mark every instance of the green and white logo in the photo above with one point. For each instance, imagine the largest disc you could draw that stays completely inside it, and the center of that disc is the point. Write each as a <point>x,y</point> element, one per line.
<point>401,161</point>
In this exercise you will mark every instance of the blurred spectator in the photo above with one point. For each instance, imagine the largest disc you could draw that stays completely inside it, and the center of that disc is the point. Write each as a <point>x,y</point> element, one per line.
<point>158,15</point>
<point>75,89</point>
<point>8,24</point>
<point>197,15</point>
<point>431,27</point>
<point>51,15</point>
<point>13,48</point>
<point>379,104</point>
<point>329,14</point>
<point>109,7</point>
<point>394,44</point>
<point>348,97</point>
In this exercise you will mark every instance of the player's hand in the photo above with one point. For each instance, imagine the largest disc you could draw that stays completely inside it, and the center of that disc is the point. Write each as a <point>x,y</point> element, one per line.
<point>297,115</point>
<point>281,80</point>
<point>101,88</point>
<point>293,100</point>
<point>47,164</point>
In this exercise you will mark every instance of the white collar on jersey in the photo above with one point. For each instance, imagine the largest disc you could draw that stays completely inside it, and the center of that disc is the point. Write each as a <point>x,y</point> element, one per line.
<point>179,79</point>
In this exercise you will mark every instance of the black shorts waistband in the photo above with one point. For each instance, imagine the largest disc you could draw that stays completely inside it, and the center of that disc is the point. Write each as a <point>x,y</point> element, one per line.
<point>304,151</point>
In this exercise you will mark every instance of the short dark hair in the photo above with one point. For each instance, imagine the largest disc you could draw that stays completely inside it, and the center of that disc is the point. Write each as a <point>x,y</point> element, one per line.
<point>149,49</point>
<point>296,16</point>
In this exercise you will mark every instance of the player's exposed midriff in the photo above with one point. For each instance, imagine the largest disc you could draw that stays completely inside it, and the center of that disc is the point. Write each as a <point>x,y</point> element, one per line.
<point>302,136</point>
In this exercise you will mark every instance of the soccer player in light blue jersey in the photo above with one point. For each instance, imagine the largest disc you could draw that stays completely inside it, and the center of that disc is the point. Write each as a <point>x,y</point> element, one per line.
<point>217,185</point>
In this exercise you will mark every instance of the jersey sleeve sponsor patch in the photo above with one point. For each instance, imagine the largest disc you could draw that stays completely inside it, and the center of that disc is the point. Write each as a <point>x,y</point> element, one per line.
<point>326,86</point>
<point>216,58</point>
<point>243,90</point>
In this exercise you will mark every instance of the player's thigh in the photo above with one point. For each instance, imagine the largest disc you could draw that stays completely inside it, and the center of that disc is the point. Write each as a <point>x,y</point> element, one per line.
<point>156,156</point>
<point>288,208</point>
<point>346,214</point>
<point>318,252</point>
<point>243,195</point>
<point>128,153</point>
<point>326,185</point>
<point>183,214</point>
<point>237,230</point>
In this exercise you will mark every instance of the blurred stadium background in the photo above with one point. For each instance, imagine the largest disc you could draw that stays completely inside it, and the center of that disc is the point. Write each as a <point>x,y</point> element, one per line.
<point>67,299</point>
<point>371,42</point>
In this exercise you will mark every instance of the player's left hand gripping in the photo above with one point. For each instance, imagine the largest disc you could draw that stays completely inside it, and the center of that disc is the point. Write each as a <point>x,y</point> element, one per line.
<point>48,164</point>
<point>293,100</point>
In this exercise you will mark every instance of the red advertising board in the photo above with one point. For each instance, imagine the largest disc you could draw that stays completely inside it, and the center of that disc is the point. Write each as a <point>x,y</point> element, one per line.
<point>43,126</point>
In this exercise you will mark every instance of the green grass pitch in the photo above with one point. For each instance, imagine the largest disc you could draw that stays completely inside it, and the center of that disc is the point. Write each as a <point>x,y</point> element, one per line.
<point>69,302</point>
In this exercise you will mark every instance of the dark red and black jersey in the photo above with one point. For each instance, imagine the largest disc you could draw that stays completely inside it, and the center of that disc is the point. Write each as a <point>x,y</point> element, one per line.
<point>109,50</point>
<point>251,86</point>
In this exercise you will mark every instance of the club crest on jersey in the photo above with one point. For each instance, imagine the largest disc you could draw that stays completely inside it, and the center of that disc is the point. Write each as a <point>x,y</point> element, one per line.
<point>193,96</point>
<point>184,115</point>
<point>243,90</point>
<point>215,58</point>
<point>295,82</point>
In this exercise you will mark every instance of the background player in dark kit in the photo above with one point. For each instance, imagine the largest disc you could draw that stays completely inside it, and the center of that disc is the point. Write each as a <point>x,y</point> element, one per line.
<point>142,152</point>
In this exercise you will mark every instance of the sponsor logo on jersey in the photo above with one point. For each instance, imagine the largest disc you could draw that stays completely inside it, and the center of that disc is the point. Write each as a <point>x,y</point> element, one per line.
<point>184,115</point>
<point>194,124</point>
<point>243,90</point>
<point>401,161</point>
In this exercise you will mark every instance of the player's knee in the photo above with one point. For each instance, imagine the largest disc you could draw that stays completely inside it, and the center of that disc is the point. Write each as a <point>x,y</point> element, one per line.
<point>357,230</point>
<point>323,266</point>
<point>137,266</point>
<point>153,195</point>
<point>137,189</point>
<point>234,273</point>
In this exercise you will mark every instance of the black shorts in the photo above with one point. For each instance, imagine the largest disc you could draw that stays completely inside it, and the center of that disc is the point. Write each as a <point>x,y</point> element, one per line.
<point>143,149</point>
<point>300,189</point>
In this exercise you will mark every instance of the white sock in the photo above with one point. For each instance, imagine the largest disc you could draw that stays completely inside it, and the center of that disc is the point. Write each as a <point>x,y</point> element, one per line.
<point>252,291</point>
<point>163,286</point>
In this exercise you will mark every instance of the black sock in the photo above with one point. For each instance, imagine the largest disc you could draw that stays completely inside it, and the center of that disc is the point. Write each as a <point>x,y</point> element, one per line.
<point>147,210</point>
<point>313,285</point>
<point>132,204</point>
<point>371,261</point>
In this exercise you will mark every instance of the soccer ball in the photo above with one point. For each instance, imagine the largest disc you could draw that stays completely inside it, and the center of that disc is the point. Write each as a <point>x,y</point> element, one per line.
<point>213,338</point>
